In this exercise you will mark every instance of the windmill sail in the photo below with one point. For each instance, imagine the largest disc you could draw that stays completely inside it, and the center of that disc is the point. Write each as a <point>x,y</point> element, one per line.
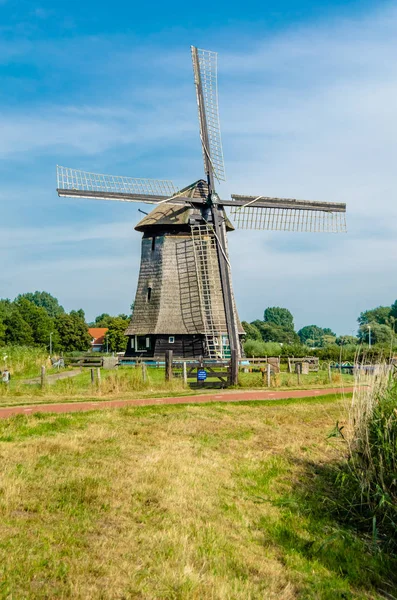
<point>284,214</point>
<point>205,75</point>
<point>75,183</point>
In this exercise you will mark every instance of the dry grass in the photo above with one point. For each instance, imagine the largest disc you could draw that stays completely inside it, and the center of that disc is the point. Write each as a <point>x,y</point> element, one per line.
<point>188,502</point>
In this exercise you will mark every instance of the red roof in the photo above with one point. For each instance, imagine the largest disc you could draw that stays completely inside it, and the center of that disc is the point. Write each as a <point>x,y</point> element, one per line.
<point>98,334</point>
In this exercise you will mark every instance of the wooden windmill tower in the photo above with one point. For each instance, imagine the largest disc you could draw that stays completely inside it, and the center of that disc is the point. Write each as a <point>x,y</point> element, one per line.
<point>184,299</point>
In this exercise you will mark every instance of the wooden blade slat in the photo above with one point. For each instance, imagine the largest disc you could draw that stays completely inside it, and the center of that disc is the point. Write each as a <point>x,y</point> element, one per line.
<point>239,201</point>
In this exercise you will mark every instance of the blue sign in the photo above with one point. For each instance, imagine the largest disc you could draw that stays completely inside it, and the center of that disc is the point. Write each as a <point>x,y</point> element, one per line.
<point>201,375</point>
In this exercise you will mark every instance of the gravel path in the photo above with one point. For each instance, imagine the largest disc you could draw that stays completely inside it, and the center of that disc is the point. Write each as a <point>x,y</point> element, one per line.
<point>55,377</point>
<point>234,396</point>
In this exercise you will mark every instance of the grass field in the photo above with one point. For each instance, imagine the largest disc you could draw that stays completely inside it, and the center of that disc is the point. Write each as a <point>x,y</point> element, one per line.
<point>126,382</point>
<point>181,502</point>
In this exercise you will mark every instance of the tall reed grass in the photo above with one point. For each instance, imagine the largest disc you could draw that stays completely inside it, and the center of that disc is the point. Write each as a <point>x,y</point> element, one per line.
<point>369,480</point>
<point>23,360</point>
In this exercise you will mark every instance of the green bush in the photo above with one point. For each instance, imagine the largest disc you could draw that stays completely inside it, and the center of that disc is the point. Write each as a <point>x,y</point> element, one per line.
<point>258,348</point>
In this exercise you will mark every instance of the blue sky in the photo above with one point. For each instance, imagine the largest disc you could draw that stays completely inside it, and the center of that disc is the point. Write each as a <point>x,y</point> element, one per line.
<point>308,110</point>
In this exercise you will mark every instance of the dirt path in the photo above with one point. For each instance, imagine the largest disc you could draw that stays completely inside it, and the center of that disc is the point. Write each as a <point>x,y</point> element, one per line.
<point>235,396</point>
<point>55,377</point>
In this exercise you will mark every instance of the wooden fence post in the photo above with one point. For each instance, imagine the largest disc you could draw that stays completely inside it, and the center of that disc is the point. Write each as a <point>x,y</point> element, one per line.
<point>168,365</point>
<point>268,373</point>
<point>184,372</point>
<point>92,376</point>
<point>289,366</point>
<point>42,377</point>
<point>298,372</point>
<point>98,377</point>
<point>329,373</point>
<point>144,372</point>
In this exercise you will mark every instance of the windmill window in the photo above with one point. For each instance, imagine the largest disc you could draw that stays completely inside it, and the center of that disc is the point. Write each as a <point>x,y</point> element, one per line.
<point>171,339</point>
<point>141,343</point>
<point>153,243</point>
<point>132,342</point>
<point>149,293</point>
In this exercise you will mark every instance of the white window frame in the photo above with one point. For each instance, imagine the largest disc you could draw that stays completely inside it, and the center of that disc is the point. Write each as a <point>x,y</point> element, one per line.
<point>171,339</point>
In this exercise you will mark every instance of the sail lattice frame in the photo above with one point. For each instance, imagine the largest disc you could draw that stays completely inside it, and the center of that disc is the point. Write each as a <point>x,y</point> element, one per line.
<point>288,219</point>
<point>83,181</point>
<point>209,82</point>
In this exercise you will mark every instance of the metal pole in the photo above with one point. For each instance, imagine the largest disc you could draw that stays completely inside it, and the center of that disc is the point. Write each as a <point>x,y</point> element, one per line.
<point>184,372</point>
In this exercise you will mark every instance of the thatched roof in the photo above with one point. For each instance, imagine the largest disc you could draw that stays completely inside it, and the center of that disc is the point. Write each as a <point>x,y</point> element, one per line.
<point>177,216</point>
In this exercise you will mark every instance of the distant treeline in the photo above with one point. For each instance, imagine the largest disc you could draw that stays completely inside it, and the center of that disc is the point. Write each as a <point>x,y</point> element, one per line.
<point>34,318</point>
<point>275,335</point>
<point>37,319</point>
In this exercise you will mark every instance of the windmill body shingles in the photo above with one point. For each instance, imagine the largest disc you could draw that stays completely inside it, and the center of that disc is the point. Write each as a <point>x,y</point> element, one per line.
<point>174,305</point>
<point>169,270</point>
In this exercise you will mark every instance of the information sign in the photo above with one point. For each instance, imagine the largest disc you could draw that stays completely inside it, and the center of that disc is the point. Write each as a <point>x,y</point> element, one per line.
<point>201,375</point>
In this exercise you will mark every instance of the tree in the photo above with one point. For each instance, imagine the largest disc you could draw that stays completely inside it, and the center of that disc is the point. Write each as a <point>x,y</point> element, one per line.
<point>251,331</point>
<point>311,334</point>
<point>6,308</point>
<point>329,339</point>
<point>2,333</point>
<point>105,319</point>
<point>102,320</point>
<point>274,333</point>
<point>37,317</point>
<point>344,340</point>
<point>44,300</point>
<point>379,315</point>
<point>115,338</point>
<point>73,332</point>
<point>17,330</point>
<point>393,310</point>
<point>328,331</point>
<point>79,314</point>
<point>380,334</point>
<point>280,317</point>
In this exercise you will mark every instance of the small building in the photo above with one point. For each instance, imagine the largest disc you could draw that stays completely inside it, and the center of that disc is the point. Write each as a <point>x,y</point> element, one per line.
<point>98,338</point>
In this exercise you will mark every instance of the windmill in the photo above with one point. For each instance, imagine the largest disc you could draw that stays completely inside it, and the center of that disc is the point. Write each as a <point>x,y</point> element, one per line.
<point>184,298</point>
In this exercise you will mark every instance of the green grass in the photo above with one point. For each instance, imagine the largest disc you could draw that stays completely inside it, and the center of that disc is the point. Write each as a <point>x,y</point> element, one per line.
<point>182,502</point>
